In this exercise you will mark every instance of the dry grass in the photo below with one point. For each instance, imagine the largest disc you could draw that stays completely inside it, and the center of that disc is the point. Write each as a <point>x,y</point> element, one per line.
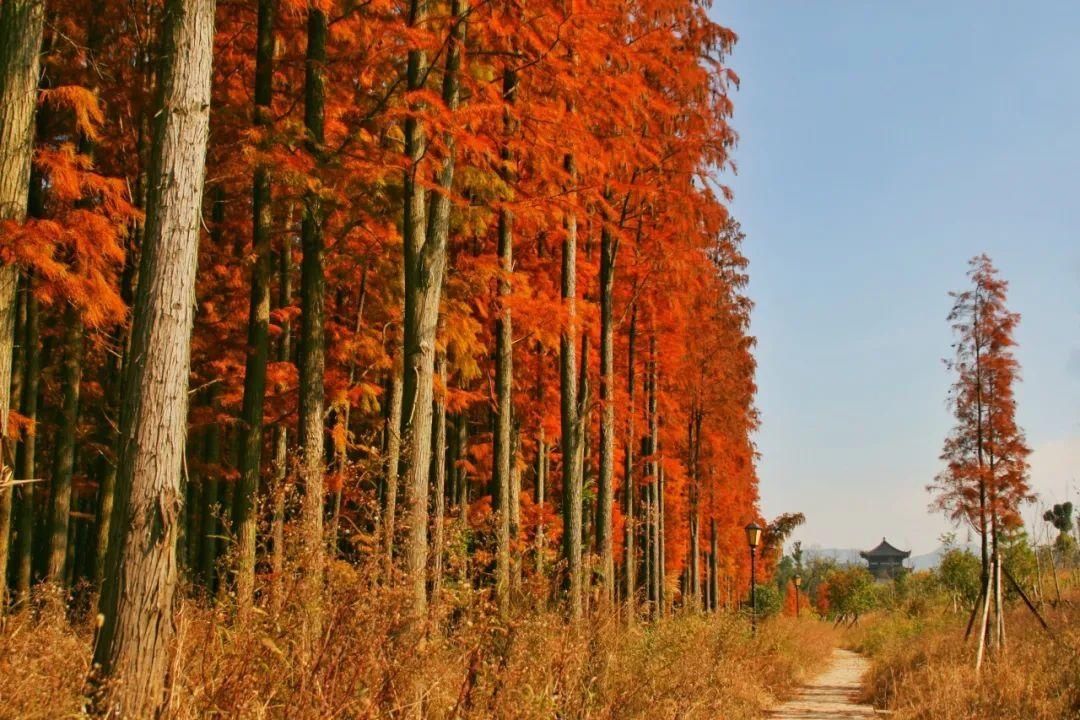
<point>922,669</point>
<point>372,663</point>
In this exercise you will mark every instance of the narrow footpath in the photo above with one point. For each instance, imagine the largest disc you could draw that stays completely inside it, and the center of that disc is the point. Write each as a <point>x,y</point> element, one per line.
<point>832,695</point>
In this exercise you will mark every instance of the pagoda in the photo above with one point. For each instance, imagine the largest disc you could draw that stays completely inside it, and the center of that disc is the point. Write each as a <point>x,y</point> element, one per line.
<point>886,561</point>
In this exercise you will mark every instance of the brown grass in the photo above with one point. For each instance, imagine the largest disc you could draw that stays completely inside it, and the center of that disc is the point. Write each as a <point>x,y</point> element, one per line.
<point>372,663</point>
<point>923,670</point>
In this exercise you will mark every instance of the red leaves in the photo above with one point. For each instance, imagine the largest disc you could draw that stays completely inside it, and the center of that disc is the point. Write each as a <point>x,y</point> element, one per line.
<point>986,476</point>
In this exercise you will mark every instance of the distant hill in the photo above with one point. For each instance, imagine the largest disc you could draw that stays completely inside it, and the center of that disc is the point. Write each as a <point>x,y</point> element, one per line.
<point>932,559</point>
<point>840,555</point>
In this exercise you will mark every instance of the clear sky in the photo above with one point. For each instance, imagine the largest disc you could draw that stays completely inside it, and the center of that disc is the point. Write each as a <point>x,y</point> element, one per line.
<point>883,144</point>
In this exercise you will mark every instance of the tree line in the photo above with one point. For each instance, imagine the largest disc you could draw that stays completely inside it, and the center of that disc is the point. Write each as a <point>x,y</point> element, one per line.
<point>288,284</point>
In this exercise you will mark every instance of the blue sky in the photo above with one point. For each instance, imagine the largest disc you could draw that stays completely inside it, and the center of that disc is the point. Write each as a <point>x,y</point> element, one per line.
<point>883,144</point>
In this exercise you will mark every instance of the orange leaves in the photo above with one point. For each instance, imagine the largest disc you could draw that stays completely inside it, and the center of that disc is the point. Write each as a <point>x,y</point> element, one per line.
<point>985,480</point>
<point>81,103</point>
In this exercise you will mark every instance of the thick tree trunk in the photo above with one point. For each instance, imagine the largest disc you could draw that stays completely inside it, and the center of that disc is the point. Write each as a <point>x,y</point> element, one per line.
<point>605,490</point>
<point>419,328</point>
<point>137,598</point>
<point>20,42</point>
<point>64,458</point>
<point>31,360</point>
<point>258,343</point>
<point>425,237</point>
<point>312,339</point>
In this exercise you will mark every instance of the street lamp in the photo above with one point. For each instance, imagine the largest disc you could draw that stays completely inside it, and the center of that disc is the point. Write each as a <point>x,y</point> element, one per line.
<point>753,539</point>
<point>798,584</point>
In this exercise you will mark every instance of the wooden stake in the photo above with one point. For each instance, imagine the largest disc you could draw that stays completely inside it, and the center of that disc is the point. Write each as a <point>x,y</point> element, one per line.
<point>1027,601</point>
<point>982,624</point>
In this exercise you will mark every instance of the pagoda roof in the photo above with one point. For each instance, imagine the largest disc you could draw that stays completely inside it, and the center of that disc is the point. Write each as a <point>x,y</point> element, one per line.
<point>885,550</point>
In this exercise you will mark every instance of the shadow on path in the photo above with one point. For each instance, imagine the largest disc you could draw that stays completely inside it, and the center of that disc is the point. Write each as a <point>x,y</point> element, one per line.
<point>832,695</point>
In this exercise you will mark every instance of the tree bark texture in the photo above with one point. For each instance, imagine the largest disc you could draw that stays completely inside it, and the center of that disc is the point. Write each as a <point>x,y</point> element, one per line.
<point>20,43</point>
<point>312,338</point>
<point>258,342</point>
<point>137,599</point>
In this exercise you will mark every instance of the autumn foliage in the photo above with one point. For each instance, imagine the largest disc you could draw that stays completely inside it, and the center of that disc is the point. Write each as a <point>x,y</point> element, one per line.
<point>524,143</point>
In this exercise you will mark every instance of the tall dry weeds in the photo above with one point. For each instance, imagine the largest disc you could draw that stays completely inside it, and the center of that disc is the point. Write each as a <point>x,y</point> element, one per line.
<point>373,662</point>
<point>923,670</point>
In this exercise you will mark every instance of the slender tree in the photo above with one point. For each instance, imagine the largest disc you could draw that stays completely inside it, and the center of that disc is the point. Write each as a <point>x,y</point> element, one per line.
<point>504,369</point>
<point>312,331</point>
<point>31,360</point>
<point>258,350</point>
<point>64,458</point>
<point>606,485</point>
<point>986,475</point>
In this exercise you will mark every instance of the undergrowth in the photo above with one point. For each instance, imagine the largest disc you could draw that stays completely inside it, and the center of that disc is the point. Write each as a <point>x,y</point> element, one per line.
<point>922,669</point>
<point>372,661</point>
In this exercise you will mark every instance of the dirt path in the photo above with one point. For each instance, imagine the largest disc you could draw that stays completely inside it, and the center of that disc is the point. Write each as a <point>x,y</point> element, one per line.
<point>832,695</point>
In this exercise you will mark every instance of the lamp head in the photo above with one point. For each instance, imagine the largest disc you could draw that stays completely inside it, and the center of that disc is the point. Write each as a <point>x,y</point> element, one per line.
<point>753,534</point>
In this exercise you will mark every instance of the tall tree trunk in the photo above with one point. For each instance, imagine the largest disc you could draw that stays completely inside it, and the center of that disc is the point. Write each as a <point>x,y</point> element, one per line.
<point>439,465</point>
<point>515,511</point>
<point>312,337</point>
<point>540,497</point>
<point>137,598</point>
<point>20,42</point>
<point>714,558</point>
<point>629,481</point>
<point>571,422</point>
<point>504,366</point>
<point>258,343</point>
<point>695,509</point>
<point>588,510</point>
<point>461,452</point>
<point>117,372</point>
<point>655,497</point>
<point>211,498</point>
<point>342,414</point>
<point>647,536</point>
<point>64,458</point>
<point>661,542</point>
<point>425,241</point>
<point>605,490</point>
<point>281,435</point>
<point>25,464</point>
<point>393,463</point>
<point>9,493</point>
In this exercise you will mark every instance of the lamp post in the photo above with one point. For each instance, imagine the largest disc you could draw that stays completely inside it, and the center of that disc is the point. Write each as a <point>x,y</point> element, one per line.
<point>753,539</point>
<point>798,584</point>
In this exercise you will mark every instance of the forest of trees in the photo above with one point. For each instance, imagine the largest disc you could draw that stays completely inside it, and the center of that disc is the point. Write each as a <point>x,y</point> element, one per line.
<point>289,284</point>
